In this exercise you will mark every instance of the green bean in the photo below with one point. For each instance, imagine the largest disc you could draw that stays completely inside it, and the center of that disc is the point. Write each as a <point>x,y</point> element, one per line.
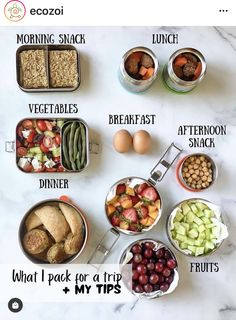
<point>78,163</point>
<point>75,147</point>
<point>83,154</point>
<point>64,146</point>
<point>72,136</point>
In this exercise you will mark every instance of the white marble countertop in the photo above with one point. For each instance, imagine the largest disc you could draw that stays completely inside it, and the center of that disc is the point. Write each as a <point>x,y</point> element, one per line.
<point>205,296</point>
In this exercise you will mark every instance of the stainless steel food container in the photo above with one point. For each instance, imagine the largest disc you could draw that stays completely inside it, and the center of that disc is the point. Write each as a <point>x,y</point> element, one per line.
<point>174,82</point>
<point>127,255</point>
<point>157,174</point>
<point>179,175</point>
<point>46,48</point>
<point>53,202</point>
<point>91,147</point>
<point>168,227</point>
<point>132,84</point>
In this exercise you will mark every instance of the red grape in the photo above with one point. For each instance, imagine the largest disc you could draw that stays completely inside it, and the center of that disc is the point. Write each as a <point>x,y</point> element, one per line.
<point>169,279</point>
<point>143,279</point>
<point>149,245</point>
<point>138,258</point>
<point>156,287</point>
<point>150,266</point>
<point>153,279</point>
<point>166,272</point>
<point>160,253</point>
<point>134,265</point>
<point>171,263</point>
<point>136,249</point>
<point>164,287</point>
<point>167,254</point>
<point>135,275</point>
<point>148,287</point>
<point>161,278</point>
<point>159,267</point>
<point>138,288</point>
<point>148,253</point>
<point>163,261</point>
<point>141,268</point>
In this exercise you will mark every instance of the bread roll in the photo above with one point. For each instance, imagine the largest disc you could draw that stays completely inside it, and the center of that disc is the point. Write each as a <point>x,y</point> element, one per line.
<point>73,243</point>
<point>54,222</point>
<point>35,241</point>
<point>73,218</point>
<point>32,221</point>
<point>56,254</point>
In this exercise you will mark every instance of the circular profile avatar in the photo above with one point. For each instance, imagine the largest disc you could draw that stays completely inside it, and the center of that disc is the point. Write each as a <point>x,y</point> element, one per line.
<point>14,10</point>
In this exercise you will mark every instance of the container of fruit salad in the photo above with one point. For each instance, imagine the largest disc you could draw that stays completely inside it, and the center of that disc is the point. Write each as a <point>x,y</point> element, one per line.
<point>52,145</point>
<point>154,268</point>
<point>196,172</point>
<point>133,205</point>
<point>138,69</point>
<point>185,69</point>
<point>195,227</point>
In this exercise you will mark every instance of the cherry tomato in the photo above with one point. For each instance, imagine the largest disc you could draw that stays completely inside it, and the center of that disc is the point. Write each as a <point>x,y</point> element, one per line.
<point>41,125</point>
<point>58,139</point>
<point>56,159</point>
<point>18,144</point>
<point>43,148</point>
<point>51,169</point>
<point>48,142</point>
<point>27,124</point>
<point>28,167</point>
<point>21,152</point>
<point>48,125</point>
<point>31,136</point>
<point>19,131</point>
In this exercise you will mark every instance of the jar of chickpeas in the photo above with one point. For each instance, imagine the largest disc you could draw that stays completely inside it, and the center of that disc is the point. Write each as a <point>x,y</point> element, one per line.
<point>196,172</point>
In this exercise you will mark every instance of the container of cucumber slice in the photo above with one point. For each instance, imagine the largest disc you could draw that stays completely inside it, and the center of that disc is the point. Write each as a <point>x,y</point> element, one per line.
<point>195,227</point>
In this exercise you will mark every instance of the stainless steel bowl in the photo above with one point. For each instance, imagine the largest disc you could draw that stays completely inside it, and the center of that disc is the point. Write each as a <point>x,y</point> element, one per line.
<point>172,215</point>
<point>22,230</point>
<point>133,180</point>
<point>174,82</point>
<point>132,84</point>
<point>179,169</point>
<point>127,255</point>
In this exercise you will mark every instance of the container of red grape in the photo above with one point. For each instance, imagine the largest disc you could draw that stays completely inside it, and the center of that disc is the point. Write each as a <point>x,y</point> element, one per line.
<point>154,268</point>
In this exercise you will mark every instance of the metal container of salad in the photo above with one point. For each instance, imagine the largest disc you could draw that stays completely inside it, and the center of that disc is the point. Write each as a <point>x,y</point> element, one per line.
<point>52,145</point>
<point>47,68</point>
<point>185,69</point>
<point>138,69</point>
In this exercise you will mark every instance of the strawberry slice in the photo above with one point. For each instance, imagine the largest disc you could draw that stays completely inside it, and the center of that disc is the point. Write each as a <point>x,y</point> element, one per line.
<point>135,200</point>
<point>130,214</point>
<point>143,212</point>
<point>149,194</point>
<point>142,187</point>
<point>115,220</point>
<point>120,189</point>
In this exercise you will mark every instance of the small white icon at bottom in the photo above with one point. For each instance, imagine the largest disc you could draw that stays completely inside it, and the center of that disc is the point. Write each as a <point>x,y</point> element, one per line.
<point>15,305</point>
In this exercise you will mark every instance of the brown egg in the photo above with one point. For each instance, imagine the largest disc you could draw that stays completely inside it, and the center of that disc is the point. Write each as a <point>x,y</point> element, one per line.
<point>142,141</point>
<point>122,141</point>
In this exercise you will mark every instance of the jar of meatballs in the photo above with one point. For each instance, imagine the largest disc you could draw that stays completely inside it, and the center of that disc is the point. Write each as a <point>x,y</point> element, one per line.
<point>185,70</point>
<point>138,69</point>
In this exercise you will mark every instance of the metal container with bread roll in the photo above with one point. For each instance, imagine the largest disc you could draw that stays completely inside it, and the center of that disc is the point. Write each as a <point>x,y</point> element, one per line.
<point>51,202</point>
<point>46,49</point>
<point>173,81</point>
